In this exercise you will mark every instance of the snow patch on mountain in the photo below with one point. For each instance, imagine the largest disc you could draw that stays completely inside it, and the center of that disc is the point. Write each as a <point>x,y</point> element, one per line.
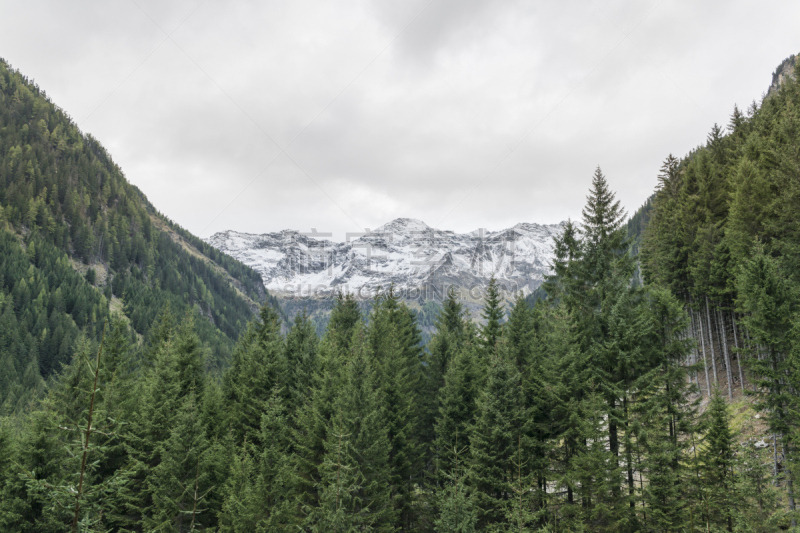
<point>406,252</point>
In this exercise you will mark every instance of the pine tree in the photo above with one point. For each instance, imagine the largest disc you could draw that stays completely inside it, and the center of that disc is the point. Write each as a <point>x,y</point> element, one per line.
<point>457,510</point>
<point>355,488</point>
<point>301,360</point>
<point>178,484</point>
<point>397,358</point>
<point>457,409</point>
<point>717,458</point>
<point>165,437</point>
<point>494,439</point>
<point>769,303</point>
<point>259,366</point>
<point>453,332</point>
<point>493,315</point>
<point>566,249</point>
<point>256,495</point>
<point>313,418</point>
<point>519,332</point>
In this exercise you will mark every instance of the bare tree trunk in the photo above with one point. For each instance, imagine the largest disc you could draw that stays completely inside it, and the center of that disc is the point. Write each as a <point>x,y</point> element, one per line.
<point>738,351</point>
<point>711,344</point>
<point>705,362</point>
<point>789,483</point>
<point>724,341</point>
<point>88,435</point>
<point>774,460</point>
<point>695,354</point>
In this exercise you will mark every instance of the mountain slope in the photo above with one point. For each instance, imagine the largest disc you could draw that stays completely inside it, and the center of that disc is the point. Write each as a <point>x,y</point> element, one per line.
<point>77,237</point>
<point>731,200</point>
<point>404,252</point>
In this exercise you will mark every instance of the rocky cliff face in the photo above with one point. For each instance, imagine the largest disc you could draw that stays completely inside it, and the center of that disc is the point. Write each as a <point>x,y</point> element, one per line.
<point>419,260</point>
<point>784,71</point>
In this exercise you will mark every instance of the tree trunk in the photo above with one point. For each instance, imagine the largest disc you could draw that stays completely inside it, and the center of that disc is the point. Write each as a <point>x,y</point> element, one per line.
<point>774,460</point>
<point>695,355</point>
<point>789,484</point>
<point>705,362</point>
<point>628,454</point>
<point>738,351</point>
<point>724,341</point>
<point>750,347</point>
<point>711,344</point>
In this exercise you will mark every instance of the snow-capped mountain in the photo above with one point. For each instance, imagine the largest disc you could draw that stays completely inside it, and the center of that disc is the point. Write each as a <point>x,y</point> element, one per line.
<point>417,259</point>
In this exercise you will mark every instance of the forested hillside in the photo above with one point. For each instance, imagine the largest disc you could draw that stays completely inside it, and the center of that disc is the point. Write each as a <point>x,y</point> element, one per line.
<point>576,415</point>
<point>593,410</point>
<point>724,237</point>
<point>76,240</point>
<point>724,223</point>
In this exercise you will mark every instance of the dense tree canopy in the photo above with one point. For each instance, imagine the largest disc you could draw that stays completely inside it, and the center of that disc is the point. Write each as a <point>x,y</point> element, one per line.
<point>76,239</point>
<point>583,412</point>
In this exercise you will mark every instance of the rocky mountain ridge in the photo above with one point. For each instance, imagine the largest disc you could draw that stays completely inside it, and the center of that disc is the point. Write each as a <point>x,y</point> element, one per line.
<point>419,260</point>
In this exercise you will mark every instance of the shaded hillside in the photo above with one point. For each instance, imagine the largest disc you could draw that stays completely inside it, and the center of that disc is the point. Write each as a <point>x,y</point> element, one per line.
<point>77,237</point>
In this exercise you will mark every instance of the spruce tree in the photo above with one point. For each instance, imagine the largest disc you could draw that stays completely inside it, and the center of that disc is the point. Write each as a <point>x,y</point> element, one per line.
<point>242,511</point>
<point>453,332</point>
<point>494,439</point>
<point>717,458</point>
<point>313,417</point>
<point>770,304</point>
<point>258,367</point>
<point>604,271</point>
<point>165,432</point>
<point>453,329</point>
<point>397,358</point>
<point>257,495</point>
<point>457,410</point>
<point>493,315</point>
<point>457,510</point>
<point>519,333</point>
<point>594,473</point>
<point>301,360</point>
<point>756,500</point>
<point>178,484</point>
<point>566,249</point>
<point>355,485</point>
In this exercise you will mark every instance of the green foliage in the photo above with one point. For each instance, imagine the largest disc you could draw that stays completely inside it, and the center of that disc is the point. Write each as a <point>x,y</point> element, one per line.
<point>457,408</point>
<point>575,414</point>
<point>258,370</point>
<point>395,348</point>
<point>717,462</point>
<point>493,315</point>
<point>458,512</point>
<point>63,204</point>
<point>494,439</point>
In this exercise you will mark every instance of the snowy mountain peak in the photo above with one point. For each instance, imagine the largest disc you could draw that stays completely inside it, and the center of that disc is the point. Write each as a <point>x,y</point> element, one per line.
<point>405,252</point>
<point>406,225</point>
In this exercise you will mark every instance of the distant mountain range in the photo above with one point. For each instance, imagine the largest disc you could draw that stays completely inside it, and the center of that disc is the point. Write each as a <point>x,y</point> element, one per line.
<point>419,260</point>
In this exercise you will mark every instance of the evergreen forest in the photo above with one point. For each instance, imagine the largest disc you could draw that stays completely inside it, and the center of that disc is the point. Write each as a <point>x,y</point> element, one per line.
<point>652,385</point>
<point>78,242</point>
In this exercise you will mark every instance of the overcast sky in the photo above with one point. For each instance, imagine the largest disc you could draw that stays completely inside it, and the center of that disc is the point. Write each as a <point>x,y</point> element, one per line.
<point>261,116</point>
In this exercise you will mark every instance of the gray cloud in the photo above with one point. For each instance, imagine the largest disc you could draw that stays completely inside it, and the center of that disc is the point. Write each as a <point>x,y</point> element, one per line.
<point>394,108</point>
